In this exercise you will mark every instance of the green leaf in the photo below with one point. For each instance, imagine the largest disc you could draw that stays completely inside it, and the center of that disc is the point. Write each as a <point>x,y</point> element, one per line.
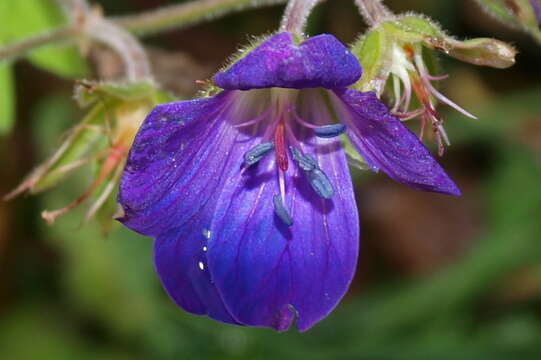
<point>23,18</point>
<point>7,98</point>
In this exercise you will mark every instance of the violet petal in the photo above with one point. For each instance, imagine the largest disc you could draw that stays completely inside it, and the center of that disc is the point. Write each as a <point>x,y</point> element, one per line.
<point>386,144</point>
<point>320,61</point>
<point>265,270</point>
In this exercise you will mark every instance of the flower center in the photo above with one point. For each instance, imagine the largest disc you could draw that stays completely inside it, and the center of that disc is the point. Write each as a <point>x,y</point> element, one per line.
<point>282,119</point>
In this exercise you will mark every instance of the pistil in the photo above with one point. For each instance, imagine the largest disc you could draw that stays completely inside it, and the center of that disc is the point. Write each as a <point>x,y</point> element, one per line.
<point>280,144</point>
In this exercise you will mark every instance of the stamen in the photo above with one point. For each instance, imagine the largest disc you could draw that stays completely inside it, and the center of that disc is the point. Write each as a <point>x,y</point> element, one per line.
<point>303,122</point>
<point>397,95</point>
<point>426,77</point>
<point>447,101</point>
<point>330,131</point>
<point>306,163</point>
<point>436,77</point>
<point>410,114</point>
<point>321,183</point>
<point>280,143</point>
<point>325,131</point>
<point>316,177</point>
<point>281,211</point>
<point>257,153</point>
<point>253,121</point>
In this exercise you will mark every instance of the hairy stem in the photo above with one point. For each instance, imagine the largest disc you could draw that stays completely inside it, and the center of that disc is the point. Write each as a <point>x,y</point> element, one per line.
<point>130,50</point>
<point>20,48</point>
<point>182,15</point>
<point>373,11</point>
<point>296,15</point>
<point>72,8</point>
<point>84,22</point>
<point>87,23</point>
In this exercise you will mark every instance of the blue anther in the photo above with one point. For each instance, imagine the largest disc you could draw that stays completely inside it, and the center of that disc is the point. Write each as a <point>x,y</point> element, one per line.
<point>307,163</point>
<point>281,211</point>
<point>316,177</point>
<point>330,131</point>
<point>320,183</point>
<point>257,153</point>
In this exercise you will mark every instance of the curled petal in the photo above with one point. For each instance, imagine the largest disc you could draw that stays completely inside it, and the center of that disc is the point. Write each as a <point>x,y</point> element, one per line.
<point>386,144</point>
<point>320,61</point>
<point>265,270</point>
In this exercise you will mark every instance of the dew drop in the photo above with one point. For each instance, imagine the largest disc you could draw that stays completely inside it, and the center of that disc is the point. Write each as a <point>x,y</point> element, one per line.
<point>201,266</point>
<point>206,233</point>
<point>205,248</point>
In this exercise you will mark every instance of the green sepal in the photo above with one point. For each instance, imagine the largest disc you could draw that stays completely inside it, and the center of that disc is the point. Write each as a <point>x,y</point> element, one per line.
<point>412,29</point>
<point>372,50</point>
<point>78,144</point>
<point>484,51</point>
<point>88,92</point>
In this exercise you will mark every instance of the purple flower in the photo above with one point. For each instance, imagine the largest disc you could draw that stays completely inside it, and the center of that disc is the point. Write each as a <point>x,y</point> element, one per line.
<point>248,193</point>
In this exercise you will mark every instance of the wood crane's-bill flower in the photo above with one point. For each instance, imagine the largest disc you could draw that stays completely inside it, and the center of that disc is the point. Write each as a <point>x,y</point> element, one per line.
<point>248,193</point>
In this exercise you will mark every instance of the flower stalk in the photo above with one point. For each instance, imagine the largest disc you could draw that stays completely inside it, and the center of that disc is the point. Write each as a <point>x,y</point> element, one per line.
<point>156,20</point>
<point>132,53</point>
<point>182,15</point>
<point>296,15</point>
<point>21,48</point>
<point>373,11</point>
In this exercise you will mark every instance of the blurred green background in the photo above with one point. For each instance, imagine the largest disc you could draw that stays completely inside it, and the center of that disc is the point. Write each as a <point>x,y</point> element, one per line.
<point>438,277</point>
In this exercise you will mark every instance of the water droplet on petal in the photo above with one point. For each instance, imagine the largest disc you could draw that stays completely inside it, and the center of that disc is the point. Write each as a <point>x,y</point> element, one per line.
<point>201,266</point>
<point>206,233</point>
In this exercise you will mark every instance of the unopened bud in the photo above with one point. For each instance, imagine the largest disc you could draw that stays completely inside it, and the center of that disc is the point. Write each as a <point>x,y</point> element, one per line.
<point>484,51</point>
